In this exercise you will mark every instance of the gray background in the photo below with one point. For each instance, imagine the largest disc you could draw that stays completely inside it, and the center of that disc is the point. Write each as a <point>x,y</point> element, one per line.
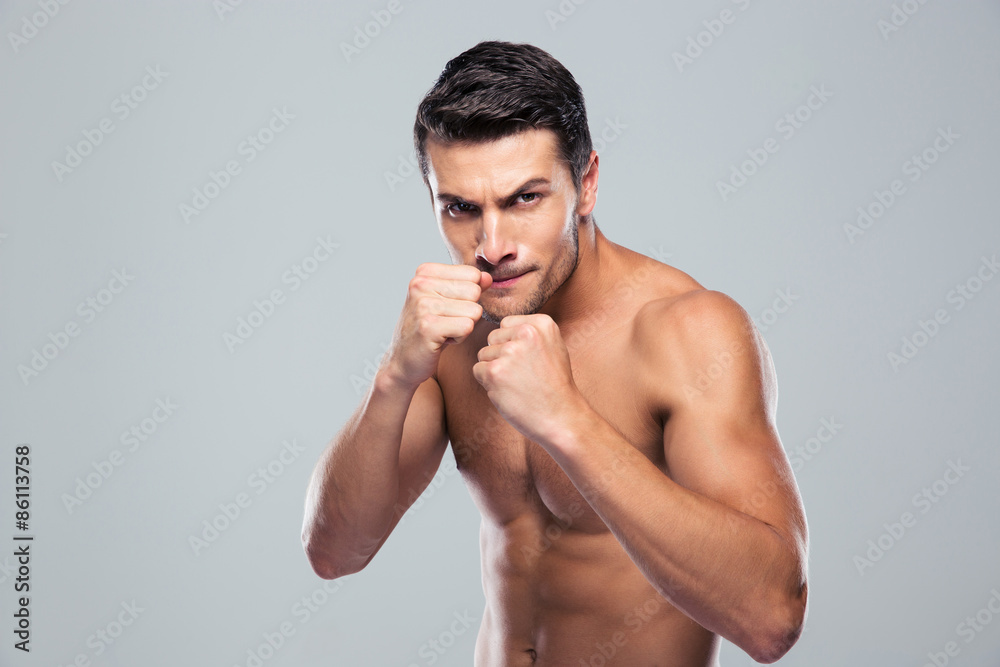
<point>301,373</point>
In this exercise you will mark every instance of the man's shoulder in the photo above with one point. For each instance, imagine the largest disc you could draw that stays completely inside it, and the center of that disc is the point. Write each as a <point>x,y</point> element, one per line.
<point>689,328</point>
<point>694,312</point>
<point>669,298</point>
<point>690,340</point>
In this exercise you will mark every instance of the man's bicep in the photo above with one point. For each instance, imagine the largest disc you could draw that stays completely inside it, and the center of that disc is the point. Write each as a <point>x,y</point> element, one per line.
<point>720,439</point>
<point>741,467</point>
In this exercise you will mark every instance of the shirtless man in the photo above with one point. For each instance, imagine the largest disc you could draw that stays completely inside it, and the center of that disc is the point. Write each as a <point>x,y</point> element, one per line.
<point>613,419</point>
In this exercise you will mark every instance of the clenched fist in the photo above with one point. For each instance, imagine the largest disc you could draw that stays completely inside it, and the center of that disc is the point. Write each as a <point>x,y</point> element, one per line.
<point>441,308</point>
<point>526,372</point>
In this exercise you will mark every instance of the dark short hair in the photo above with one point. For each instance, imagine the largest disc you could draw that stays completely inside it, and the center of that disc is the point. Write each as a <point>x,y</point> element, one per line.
<point>498,89</point>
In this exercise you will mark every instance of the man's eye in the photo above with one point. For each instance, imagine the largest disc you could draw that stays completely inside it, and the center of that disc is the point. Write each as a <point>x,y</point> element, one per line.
<point>532,196</point>
<point>459,207</point>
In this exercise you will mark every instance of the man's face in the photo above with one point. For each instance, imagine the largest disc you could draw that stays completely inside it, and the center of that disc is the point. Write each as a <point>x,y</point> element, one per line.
<point>509,208</point>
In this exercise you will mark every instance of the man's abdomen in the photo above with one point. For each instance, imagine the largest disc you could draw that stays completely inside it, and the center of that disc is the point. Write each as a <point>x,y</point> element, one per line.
<point>562,597</point>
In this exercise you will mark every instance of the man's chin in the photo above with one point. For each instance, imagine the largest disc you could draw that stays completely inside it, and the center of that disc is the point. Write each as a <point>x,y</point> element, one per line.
<point>495,315</point>
<point>491,318</point>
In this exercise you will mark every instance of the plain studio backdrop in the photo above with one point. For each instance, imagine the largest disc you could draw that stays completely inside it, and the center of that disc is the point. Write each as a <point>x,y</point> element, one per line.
<point>209,214</point>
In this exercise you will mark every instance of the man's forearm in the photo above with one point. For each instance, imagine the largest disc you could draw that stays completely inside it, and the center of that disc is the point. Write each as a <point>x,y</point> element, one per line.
<point>353,490</point>
<point>728,571</point>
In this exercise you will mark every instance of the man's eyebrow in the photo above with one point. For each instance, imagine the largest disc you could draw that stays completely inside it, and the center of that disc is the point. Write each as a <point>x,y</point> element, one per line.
<point>526,186</point>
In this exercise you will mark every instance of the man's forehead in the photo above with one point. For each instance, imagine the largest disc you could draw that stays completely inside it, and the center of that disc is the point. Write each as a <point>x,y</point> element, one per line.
<point>498,165</point>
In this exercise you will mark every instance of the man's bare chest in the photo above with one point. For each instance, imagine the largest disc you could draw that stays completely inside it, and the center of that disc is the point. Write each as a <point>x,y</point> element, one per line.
<point>508,474</point>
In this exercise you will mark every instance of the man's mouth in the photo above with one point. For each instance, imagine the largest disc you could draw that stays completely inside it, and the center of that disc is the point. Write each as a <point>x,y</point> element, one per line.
<point>508,280</point>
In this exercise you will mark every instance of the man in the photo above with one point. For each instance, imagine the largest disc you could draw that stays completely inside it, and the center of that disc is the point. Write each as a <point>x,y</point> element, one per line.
<point>614,420</point>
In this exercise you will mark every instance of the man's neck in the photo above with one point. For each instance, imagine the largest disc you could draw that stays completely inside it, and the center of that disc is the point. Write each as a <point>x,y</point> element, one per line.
<point>597,266</point>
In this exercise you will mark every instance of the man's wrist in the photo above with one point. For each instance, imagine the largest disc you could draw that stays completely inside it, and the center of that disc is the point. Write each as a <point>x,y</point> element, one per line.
<point>387,381</point>
<point>568,432</point>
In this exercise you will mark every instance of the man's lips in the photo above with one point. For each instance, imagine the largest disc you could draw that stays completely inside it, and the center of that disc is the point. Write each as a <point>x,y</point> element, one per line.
<point>509,281</point>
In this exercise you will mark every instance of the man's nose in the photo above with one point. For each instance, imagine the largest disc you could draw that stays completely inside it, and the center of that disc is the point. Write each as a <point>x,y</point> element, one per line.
<point>496,241</point>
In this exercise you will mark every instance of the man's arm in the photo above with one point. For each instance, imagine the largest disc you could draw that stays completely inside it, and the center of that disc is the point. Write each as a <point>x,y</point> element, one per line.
<point>386,454</point>
<point>723,537</point>
<point>370,474</point>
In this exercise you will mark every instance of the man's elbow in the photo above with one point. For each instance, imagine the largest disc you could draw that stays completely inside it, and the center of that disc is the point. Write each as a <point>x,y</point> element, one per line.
<point>323,562</point>
<point>774,647</point>
<point>773,642</point>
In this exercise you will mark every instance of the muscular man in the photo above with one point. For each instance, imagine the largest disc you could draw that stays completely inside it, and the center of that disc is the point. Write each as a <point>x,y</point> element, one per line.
<point>613,419</point>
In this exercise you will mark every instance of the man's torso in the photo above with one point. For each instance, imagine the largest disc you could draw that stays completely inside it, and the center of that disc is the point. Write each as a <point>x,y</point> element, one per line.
<point>560,588</point>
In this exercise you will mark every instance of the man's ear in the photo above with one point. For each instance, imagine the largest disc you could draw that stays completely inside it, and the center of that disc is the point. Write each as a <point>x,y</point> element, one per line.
<point>588,186</point>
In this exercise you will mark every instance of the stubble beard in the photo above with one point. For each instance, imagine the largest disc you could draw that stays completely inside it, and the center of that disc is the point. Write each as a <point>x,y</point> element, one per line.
<point>551,282</point>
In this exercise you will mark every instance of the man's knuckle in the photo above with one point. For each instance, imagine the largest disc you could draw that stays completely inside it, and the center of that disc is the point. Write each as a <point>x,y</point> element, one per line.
<point>418,283</point>
<point>422,306</point>
<point>425,324</point>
